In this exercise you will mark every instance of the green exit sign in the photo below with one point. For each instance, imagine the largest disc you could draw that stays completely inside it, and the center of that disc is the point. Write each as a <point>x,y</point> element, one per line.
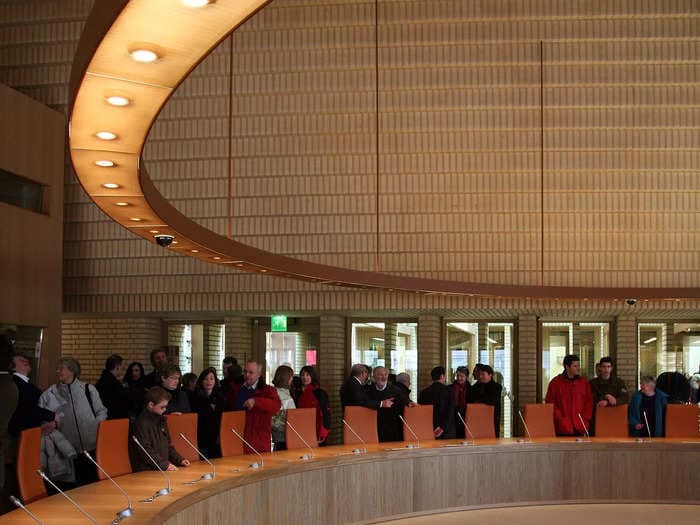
<point>279,323</point>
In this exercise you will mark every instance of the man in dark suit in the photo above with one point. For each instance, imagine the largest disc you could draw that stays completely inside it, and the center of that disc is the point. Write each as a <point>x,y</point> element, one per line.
<point>488,392</point>
<point>441,397</point>
<point>389,426</point>
<point>353,392</point>
<point>28,414</point>
<point>159,358</point>
<point>112,392</point>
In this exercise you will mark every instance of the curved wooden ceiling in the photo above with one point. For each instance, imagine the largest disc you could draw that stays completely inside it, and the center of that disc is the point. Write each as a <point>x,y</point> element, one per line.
<point>112,173</point>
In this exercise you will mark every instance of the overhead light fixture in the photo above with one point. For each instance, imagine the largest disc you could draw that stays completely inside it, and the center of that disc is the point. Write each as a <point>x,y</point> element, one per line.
<point>104,163</point>
<point>118,100</point>
<point>216,258</point>
<point>153,231</point>
<point>111,186</point>
<point>106,135</point>
<point>492,341</point>
<point>194,251</point>
<point>122,204</point>
<point>650,340</point>
<point>195,3</point>
<point>136,219</point>
<point>143,55</point>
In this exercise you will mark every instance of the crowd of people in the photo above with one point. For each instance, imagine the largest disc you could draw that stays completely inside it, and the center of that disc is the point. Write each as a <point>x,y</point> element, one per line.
<point>70,410</point>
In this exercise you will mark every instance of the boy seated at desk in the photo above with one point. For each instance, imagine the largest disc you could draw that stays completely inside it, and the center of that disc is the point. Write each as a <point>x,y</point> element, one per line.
<point>152,432</point>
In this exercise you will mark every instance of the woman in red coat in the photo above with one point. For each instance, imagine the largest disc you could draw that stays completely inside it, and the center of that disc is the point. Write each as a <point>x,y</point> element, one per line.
<point>314,396</point>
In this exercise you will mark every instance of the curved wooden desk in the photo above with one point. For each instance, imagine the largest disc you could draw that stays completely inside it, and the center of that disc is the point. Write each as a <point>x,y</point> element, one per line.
<point>337,486</point>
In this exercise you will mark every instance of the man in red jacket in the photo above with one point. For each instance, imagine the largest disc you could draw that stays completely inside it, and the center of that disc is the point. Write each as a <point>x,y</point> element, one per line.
<point>571,396</point>
<point>260,402</point>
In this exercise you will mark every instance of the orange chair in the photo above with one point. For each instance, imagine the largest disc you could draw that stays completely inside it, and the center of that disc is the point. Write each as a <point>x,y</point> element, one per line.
<point>304,421</point>
<point>112,450</point>
<point>187,425</point>
<point>682,421</point>
<point>230,444</point>
<point>364,422</point>
<point>480,421</point>
<point>420,419</point>
<point>539,419</point>
<point>31,486</point>
<point>611,422</point>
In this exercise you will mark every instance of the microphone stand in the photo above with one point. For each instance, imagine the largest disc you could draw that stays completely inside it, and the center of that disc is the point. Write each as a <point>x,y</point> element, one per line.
<point>251,447</point>
<point>588,436</point>
<point>165,490</point>
<point>71,500</point>
<point>466,428</point>
<point>529,436</point>
<point>411,431</point>
<point>128,511</point>
<point>304,457</point>
<point>209,475</point>
<point>644,412</point>
<point>364,445</point>
<point>18,503</point>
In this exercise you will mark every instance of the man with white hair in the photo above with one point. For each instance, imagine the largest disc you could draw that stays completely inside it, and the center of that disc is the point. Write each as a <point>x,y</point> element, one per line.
<point>389,426</point>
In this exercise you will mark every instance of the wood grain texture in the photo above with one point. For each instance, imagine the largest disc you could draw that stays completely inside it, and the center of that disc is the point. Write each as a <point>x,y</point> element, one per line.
<point>338,487</point>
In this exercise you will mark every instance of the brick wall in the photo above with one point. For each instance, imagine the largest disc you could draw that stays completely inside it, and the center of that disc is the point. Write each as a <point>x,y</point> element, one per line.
<point>92,340</point>
<point>332,369</point>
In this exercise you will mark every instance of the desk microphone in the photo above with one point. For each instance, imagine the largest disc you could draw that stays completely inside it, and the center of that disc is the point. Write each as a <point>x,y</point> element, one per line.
<point>261,464</point>
<point>466,427</point>
<point>161,492</point>
<point>364,445</point>
<point>412,433</point>
<point>209,475</point>
<point>585,429</point>
<point>71,500</point>
<point>644,412</point>
<point>128,511</point>
<point>527,430</point>
<point>304,457</point>
<point>18,503</point>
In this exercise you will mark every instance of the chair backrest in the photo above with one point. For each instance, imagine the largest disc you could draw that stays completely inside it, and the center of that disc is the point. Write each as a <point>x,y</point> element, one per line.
<point>363,421</point>
<point>31,486</point>
<point>187,425</point>
<point>420,419</point>
<point>304,421</point>
<point>230,444</point>
<point>480,421</point>
<point>611,422</point>
<point>539,419</point>
<point>682,421</point>
<point>112,450</point>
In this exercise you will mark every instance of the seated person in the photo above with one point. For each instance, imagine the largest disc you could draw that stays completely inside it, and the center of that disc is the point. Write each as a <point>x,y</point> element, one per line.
<point>649,402</point>
<point>152,432</point>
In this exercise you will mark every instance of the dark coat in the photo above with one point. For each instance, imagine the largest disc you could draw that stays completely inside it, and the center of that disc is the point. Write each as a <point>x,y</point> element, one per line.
<point>28,414</point>
<point>352,393</point>
<point>114,396</point>
<point>208,411</point>
<point>488,394</point>
<point>442,399</point>
<point>152,432</point>
<point>389,426</point>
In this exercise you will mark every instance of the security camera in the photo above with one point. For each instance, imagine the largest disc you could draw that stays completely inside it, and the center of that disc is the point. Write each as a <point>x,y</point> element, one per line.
<point>164,240</point>
<point>631,301</point>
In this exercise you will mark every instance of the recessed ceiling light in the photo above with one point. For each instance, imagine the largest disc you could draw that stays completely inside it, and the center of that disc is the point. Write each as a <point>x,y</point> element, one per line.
<point>118,100</point>
<point>195,3</point>
<point>111,186</point>
<point>104,163</point>
<point>239,264</point>
<point>153,231</point>
<point>122,204</point>
<point>216,258</point>
<point>175,242</point>
<point>263,270</point>
<point>136,219</point>
<point>194,251</point>
<point>106,135</point>
<point>143,55</point>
